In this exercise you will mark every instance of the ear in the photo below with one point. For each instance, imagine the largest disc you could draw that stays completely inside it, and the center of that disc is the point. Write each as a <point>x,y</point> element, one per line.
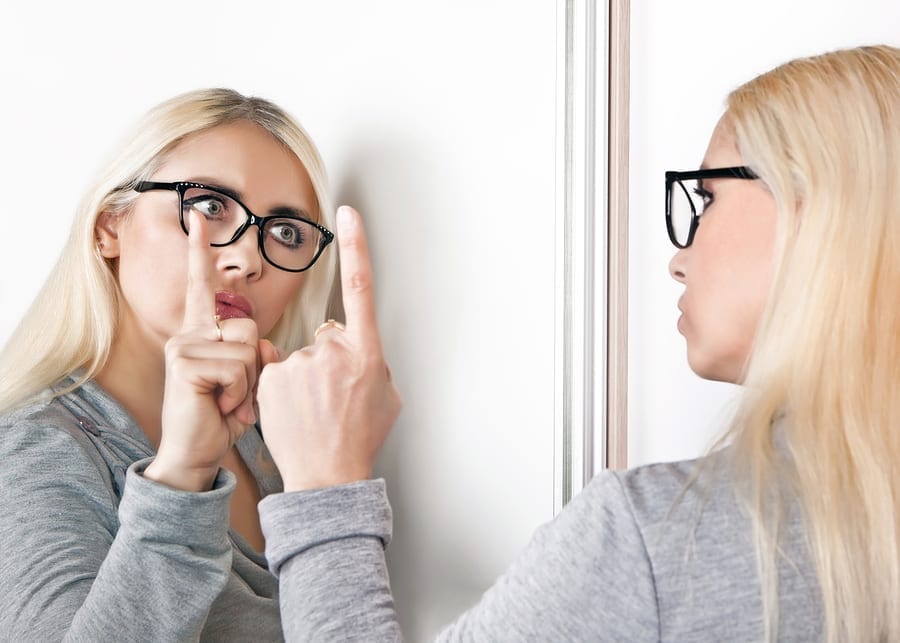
<point>107,232</point>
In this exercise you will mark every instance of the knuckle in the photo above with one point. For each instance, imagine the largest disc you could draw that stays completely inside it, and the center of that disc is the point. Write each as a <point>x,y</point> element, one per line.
<point>245,328</point>
<point>171,346</point>
<point>372,361</point>
<point>267,374</point>
<point>175,349</point>
<point>249,354</point>
<point>360,281</point>
<point>236,370</point>
<point>295,359</point>
<point>178,367</point>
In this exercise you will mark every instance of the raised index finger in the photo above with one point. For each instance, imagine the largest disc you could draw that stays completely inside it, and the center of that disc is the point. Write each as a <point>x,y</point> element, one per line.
<point>356,276</point>
<point>200,296</point>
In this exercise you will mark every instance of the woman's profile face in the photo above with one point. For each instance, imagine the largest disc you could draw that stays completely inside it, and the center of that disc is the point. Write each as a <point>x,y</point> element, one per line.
<point>726,271</point>
<point>152,249</point>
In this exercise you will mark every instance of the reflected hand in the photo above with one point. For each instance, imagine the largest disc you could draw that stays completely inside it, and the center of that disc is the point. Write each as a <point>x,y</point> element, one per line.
<point>209,388</point>
<point>326,410</point>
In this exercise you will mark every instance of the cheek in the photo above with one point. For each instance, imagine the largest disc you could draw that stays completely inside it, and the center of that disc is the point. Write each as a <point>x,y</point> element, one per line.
<point>729,280</point>
<point>276,296</point>
<point>719,331</point>
<point>153,278</point>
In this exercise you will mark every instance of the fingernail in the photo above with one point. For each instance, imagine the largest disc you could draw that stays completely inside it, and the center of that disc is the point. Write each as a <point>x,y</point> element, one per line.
<point>345,218</point>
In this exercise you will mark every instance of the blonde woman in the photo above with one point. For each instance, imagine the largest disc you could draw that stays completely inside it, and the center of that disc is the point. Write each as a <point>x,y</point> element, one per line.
<point>129,471</point>
<point>789,254</point>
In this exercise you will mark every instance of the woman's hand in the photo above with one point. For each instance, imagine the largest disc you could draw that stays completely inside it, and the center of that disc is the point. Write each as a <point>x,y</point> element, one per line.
<point>210,380</point>
<point>326,410</point>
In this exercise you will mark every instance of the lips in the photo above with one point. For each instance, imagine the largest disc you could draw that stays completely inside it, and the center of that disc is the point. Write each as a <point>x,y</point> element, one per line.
<point>231,305</point>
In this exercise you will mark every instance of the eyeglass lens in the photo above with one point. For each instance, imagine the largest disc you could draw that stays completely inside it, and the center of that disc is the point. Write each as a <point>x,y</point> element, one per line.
<point>287,243</point>
<point>686,198</point>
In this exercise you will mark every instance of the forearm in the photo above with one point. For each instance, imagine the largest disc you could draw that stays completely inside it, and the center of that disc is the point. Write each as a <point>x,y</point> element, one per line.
<point>77,575</point>
<point>169,561</point>
<point>568,583</point>
<point>327,548</point>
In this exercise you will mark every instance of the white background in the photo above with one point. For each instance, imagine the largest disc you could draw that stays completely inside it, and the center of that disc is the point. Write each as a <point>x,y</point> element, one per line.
<point>437,120</point>
<point>686,56</point>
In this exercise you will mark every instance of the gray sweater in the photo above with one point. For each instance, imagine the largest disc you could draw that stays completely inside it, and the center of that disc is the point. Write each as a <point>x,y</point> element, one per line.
<point>92,551</point>
<point>624,561</point>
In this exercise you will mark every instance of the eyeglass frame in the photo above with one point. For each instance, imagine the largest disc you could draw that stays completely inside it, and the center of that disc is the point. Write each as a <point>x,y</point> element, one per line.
<point>734,172</point>
<point>252,219</point>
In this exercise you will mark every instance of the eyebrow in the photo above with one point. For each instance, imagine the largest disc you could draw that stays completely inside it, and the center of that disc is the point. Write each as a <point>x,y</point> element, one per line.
<point>278,211</point>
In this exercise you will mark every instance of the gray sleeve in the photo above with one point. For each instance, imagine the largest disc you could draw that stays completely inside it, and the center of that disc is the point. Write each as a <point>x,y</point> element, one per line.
<point>584,576</point>
<point>327,548</point>
<point>68,572</point>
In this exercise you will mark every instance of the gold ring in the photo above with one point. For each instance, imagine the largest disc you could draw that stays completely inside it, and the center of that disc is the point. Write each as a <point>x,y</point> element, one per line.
<point>218,321</point>
<point>331,323</point>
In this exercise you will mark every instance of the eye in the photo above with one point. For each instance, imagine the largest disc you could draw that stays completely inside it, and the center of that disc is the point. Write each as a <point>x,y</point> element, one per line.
<point>706,198</point>
<point>288,233</point>
<point>209,206</point>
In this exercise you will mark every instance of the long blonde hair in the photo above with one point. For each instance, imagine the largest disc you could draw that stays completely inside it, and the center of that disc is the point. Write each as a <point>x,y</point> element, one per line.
<point>823,133</point>
<point>73,321</point>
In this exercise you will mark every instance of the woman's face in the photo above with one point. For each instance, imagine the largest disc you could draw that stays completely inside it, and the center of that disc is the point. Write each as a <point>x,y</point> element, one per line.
<point>152,249</point>
<point>726,271</point>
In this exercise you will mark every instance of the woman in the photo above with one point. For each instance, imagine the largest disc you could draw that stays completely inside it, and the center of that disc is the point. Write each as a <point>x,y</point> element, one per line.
<point>791,266</point>
<point>128,389</point>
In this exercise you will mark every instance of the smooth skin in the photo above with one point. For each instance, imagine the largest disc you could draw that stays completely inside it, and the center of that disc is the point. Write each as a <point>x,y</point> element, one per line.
<point>208,401</point>
<point>727,270</point>
<point>192,395</point>
<point>327,409</point>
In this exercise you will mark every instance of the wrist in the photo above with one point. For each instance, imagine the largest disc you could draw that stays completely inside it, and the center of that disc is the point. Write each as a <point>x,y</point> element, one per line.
<point>320,480</point>
<point>179,477</point>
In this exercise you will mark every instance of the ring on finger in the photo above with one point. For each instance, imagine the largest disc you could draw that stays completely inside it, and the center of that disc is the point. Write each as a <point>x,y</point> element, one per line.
<point>331,323</point>
<point>218,321</point>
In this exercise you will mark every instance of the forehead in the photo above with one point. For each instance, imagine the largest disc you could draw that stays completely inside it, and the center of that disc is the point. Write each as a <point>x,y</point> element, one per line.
<point>244,157</point>
<point>722,150</point>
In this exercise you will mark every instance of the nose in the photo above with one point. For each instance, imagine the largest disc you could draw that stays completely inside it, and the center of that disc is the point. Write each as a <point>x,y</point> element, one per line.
<point>242,259</point>
<point>676,266</point>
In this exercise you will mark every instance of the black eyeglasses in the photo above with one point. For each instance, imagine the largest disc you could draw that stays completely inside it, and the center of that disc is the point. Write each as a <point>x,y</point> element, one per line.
<point>287,240</point>
<point>686,199</point>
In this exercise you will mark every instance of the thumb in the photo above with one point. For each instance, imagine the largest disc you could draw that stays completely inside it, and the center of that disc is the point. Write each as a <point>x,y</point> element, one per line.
<point>268,353</point>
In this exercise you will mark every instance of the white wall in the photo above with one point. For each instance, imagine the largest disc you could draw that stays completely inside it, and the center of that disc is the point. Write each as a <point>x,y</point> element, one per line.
<point>437,120</point>
<point>686,56</point>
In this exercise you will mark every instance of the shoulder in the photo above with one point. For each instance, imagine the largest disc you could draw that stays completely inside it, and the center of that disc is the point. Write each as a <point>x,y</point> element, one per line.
<point>29,410</point>
<point>43,417</point>
<point>646,493</point>
<point>675,491</point>
<point>43,444</point>
<point>41,420</point>
<point>651,490</point>
<point>671,508</point>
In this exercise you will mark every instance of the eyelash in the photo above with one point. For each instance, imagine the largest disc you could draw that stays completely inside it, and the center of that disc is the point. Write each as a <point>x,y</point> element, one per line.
<point>705,195</point>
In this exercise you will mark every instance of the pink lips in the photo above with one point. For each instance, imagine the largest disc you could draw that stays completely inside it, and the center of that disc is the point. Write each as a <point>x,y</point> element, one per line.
<point>230,305</point>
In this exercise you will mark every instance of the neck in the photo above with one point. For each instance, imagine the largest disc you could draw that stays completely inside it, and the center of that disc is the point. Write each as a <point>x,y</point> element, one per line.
<point>135,376</point>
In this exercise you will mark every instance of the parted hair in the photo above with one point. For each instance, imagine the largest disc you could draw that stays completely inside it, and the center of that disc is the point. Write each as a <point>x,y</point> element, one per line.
<point>73,321</point>
<point>820,419</point>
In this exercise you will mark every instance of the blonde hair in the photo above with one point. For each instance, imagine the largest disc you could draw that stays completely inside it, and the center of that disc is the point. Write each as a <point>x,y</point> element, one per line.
<point>73,321</point>
<point>823,133</point>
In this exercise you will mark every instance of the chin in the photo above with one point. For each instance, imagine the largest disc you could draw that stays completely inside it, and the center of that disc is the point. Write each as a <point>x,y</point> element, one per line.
<point>710,369</point>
